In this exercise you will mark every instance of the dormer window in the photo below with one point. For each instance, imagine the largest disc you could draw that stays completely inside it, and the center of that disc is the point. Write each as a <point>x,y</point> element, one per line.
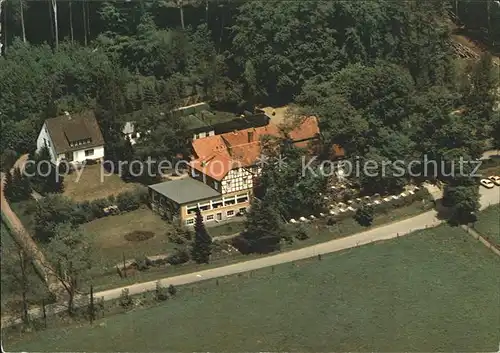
<point>80,142</point>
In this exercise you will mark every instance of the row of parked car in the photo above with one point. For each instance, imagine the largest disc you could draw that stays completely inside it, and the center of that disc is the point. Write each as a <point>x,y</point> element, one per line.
<point>490,182</point>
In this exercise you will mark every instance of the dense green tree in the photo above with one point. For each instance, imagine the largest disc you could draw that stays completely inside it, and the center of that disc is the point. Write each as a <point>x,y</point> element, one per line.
<point>20,189</point>
<point>461,193</point>
<point>495,133</point>
<point>9,187</point>
<point>463,201</point>
<point>19,277</point>
<point>70,253</point>
<point>7,159</point>
<point>202,243</point>
<point>481,96</point>
<point>45,176</point>
<point>263,230</point>
<point>358,103</point>
<point>364,215</point>
<point>163,136</point>
<point>51,211</point>
<point>295,188</point>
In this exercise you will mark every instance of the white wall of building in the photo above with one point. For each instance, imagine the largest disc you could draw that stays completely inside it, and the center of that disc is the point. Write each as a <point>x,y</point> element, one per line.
<point>203,134</point>
<point>44,138</point>
<point>79,156</point>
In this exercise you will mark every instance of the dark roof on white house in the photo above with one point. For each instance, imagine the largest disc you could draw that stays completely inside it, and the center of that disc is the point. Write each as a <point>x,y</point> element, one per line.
<point>184,191</point>
<point>74,132</point>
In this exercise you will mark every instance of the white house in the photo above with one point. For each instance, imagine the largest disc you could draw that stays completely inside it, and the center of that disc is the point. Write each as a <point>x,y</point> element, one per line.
<point>75,138</point>
<point>130,133</point>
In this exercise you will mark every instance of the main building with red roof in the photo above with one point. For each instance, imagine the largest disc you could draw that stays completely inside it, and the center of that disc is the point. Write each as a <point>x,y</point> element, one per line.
<point>223,171</point>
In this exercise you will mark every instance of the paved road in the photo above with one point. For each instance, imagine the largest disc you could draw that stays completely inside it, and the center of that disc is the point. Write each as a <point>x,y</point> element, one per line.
<point>393,230</point>
<point>390,231</point>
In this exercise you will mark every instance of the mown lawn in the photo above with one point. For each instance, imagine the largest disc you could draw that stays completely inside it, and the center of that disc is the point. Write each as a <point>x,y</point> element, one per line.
<point>488,224</point>
<point>93,183</point>
<point>434,290</point>
<point>109,242</point>
<point>317,231</point>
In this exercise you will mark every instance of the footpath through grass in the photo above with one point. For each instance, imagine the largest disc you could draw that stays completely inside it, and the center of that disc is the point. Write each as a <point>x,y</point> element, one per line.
<point>434,290</point>
<point>488,224</point>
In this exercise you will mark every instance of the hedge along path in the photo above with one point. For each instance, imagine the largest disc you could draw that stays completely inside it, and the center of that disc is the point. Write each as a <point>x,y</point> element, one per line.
<point>26,242</point>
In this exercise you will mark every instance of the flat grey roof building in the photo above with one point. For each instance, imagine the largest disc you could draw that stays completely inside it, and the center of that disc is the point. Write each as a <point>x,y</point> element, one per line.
<point>184,191</point>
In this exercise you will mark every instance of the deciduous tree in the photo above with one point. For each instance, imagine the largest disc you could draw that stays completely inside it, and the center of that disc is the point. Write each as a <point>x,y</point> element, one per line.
<point>19,278</point>
<point>70,253</point>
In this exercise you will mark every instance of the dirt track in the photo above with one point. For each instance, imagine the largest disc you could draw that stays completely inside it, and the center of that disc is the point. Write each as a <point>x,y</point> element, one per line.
<point>24,239</point>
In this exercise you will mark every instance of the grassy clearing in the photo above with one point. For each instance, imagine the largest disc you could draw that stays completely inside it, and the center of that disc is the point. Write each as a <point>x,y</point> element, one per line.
<point>225,229</point>
<point>488,224</point>
<point>435,290</point>
<point>318,232</point>
<point>109,233</point>
<point>89,186</point>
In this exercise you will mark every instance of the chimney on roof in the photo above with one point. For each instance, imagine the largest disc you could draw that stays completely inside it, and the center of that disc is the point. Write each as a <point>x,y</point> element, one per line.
<point>250,136</point>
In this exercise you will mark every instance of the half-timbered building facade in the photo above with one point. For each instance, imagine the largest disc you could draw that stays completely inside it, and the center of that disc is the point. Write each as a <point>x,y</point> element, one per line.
<point>222,173</point>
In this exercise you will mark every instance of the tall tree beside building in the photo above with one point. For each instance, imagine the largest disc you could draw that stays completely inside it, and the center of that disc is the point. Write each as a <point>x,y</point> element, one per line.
<point>21,184</point>
<point>263,228</point>
<point>202,245</point>
<point>45,175</point>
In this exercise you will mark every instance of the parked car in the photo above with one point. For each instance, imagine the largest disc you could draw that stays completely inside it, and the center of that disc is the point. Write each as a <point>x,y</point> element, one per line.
<point>487,183</point>
<point>495,179</point>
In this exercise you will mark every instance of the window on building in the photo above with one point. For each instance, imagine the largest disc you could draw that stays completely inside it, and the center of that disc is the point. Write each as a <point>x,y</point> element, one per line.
<point>216,185</point>
<point>217,204</point>
<point>242,199</point>
<point>210,217</point>
<point>229,202</point>
<point>189,221</point>
<point>242,210</point>
<point>89,152</point>
<point>230,213</point>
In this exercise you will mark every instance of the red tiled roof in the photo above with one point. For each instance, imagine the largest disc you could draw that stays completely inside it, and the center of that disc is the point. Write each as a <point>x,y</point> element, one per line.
<point>216,166</point>
<point>217,155</point>
<point>307,129</point>
<point>207,146</point>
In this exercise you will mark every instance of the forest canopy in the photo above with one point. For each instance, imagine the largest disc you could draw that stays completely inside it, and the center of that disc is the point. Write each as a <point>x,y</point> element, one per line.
<point>69,56</point>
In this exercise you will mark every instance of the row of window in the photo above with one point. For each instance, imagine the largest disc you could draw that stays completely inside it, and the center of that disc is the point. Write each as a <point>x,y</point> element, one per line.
<point>219,203</point>
<point>81,142</point>
<point>218,216</point>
